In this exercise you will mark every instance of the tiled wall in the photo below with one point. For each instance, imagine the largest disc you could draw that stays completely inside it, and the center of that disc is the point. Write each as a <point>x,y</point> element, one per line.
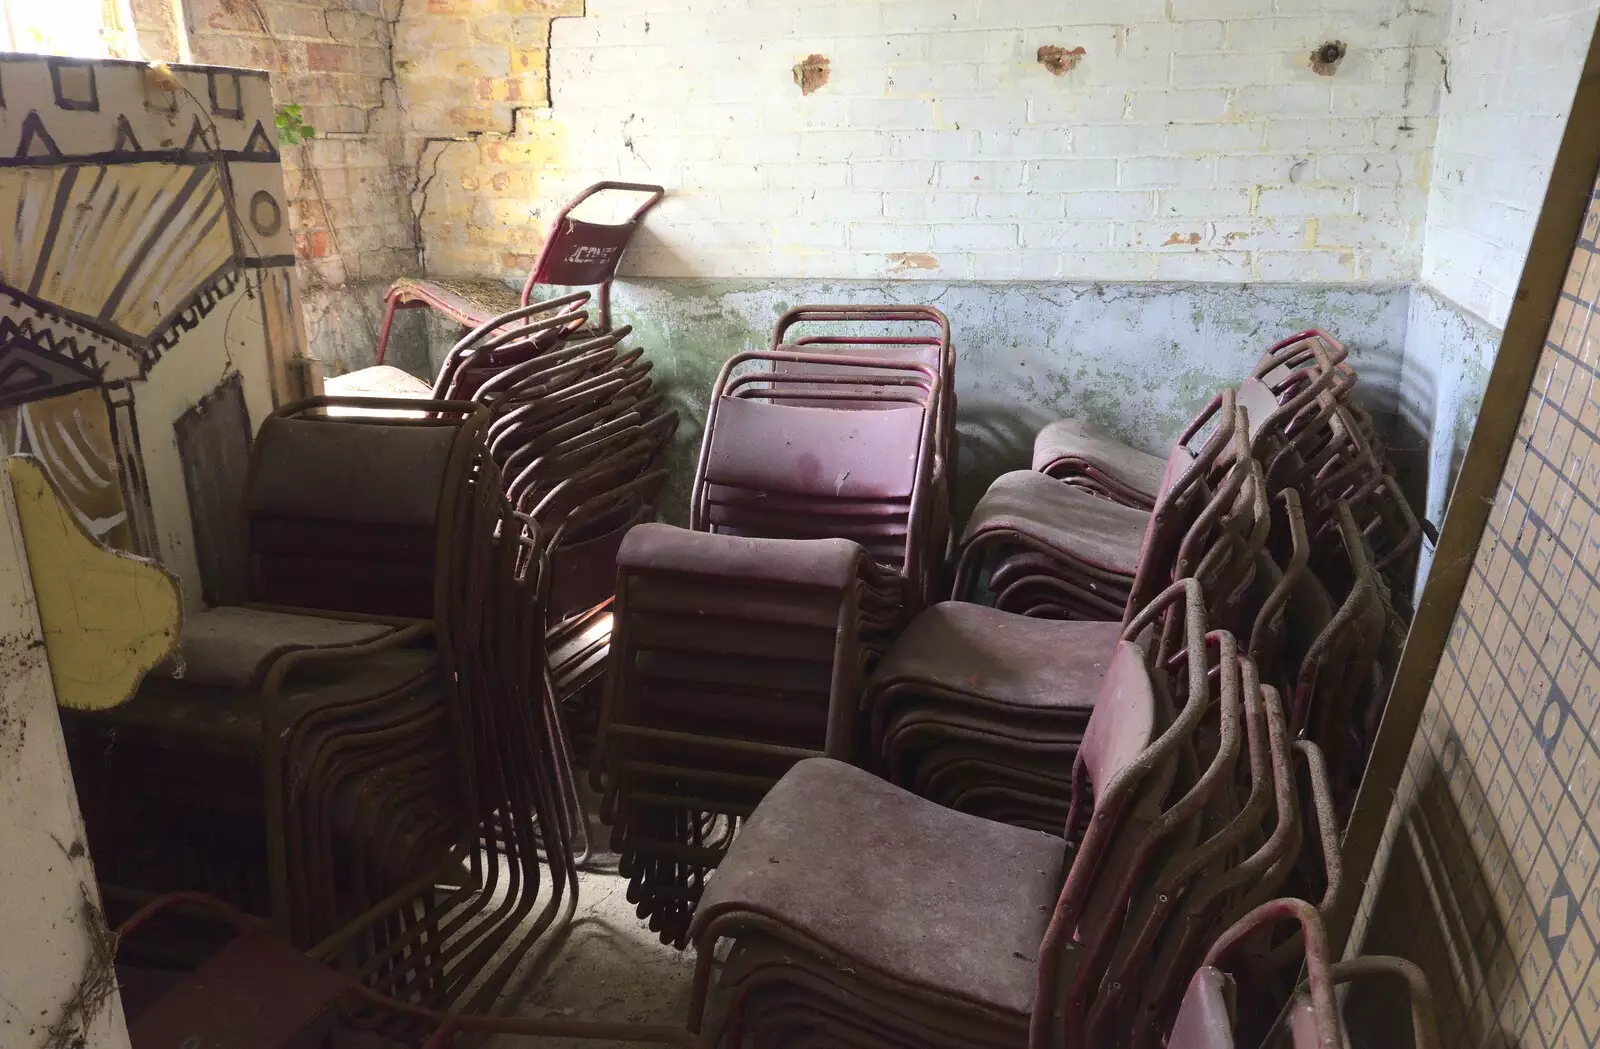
<point>1493,848</point>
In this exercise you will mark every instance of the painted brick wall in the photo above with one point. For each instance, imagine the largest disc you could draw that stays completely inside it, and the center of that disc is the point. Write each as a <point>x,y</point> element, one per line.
<point>349,187</point>
<point>1513,67</point>
<point>1191,141</point>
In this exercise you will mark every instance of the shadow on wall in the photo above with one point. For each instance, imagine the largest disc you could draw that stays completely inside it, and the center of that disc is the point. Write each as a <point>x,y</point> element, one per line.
<point>1448,356</point>
<point>1135,360</point>
<point>1436,907</point>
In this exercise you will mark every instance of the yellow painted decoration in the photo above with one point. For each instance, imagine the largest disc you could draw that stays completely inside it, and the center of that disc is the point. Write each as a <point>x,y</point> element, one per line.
<point>108,617</point>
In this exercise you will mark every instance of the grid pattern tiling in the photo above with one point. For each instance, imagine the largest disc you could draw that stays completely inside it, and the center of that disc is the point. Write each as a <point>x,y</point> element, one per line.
<point>1491,854</point>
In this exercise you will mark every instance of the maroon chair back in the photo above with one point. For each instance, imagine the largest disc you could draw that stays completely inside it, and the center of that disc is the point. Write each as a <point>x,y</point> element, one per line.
<point>347,514</point>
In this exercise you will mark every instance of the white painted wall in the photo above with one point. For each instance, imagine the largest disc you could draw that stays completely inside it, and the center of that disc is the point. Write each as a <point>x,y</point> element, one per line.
<point>1513,67</point>
<point>1192,142</point>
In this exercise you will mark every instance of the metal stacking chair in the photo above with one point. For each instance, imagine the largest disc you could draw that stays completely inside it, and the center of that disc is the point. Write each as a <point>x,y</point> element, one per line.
<point>318,762</point>
<point>1287,857</point>
<point>578,253</point>
<point>731,659</point>
<point>1424,1026</point>
<point>982,710</point>
<point>904,923</point>
<point>775,464</point>
<point>931,349</point>
<point>1073,452</point>
<point>1033,534</point>
<point>1225,1006</point>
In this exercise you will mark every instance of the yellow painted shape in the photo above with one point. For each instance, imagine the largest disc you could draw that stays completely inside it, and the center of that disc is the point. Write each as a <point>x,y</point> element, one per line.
<point>108,617</point>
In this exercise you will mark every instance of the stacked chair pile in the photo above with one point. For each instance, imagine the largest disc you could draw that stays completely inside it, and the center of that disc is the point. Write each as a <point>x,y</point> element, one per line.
<point>820,517</point>
<point>1299,395</point>
<point>367,753</point>
<point>1075,805</point>
<point>1280,517</point>
<point>579,436</point>
<point>861,914</point>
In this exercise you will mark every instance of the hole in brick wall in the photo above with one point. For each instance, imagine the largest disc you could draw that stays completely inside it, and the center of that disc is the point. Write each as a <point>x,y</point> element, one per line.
<point>1059,60</point>
<point>1325,59</point>
<point>811,73</point>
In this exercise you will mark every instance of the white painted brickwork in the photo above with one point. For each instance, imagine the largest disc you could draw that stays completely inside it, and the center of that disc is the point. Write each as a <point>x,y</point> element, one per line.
<point>1193,141</point>
<point>1513,67</point>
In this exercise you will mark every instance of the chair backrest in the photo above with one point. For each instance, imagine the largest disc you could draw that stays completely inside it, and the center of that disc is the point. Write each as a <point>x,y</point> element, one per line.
<point>1182,502</point>
<point>1318,1025</point>
<point>1205,1020</point>
<point>815,451</point>
<point>505,340</point>
<point>1127,770</point>
<point>579,252</point>
<point>352,514</point>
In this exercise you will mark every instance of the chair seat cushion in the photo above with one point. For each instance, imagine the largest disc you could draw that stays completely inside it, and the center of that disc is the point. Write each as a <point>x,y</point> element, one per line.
<point>468,301</point>
<point>233,646</point>
<point>1006,658</point>
<point>230,716</point>
<point>1072,439</point>
<point>940,900</point>
<point>1098,532</point>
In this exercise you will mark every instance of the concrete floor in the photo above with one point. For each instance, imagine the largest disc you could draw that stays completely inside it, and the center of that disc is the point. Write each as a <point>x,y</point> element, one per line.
<point>610,967</point>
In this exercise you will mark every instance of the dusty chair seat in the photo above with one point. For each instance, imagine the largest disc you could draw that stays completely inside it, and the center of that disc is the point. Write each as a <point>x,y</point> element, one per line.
<point>1068,446</point>
<point>470,301</point>
<point>956,903</point>
<point>1000,658</point>
<point>205,711</point>
<point>1096,531</point>
<point>234,646</point>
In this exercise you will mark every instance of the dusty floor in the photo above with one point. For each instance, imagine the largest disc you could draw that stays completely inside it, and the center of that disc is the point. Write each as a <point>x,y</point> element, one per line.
<point>610,967</point>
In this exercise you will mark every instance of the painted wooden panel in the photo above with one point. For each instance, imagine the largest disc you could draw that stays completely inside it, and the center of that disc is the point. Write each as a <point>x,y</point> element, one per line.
<point>214,447</point>
<point>145,259</point>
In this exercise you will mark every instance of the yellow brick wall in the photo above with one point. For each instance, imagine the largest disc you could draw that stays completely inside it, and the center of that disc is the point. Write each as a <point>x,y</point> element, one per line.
<point>474,78</point>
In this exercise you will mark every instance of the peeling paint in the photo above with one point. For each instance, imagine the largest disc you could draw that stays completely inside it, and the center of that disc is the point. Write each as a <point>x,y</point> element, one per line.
<point>912,260</point>
<point>811,73</point>
<point>1059,60</point>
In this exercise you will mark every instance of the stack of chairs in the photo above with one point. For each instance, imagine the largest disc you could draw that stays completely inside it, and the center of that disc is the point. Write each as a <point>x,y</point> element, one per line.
<point>339,754</point>
<point>579,435</point>
<point>1300,397</point>
<point>1063,547</point>
<point>731,660</point>
<point>972,702</point>
<point>928,343</point>
<point>979,708</point>
<point>739,643</point>
<point>573,412</point>
<point>861,914</point>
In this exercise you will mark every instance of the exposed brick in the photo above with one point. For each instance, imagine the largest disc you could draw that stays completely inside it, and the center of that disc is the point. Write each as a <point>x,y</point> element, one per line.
<point>331,58</point>
<point>311,244</point>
